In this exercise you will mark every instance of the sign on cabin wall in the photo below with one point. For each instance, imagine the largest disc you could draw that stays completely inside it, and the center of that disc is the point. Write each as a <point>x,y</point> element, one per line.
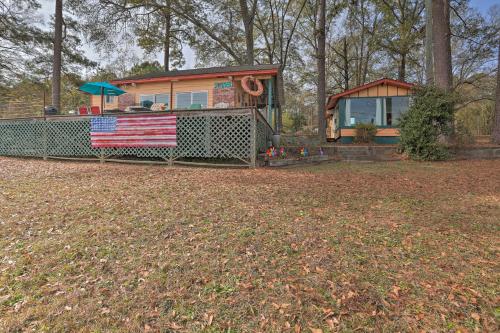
<point>223,85</point>
<point>223,95</point>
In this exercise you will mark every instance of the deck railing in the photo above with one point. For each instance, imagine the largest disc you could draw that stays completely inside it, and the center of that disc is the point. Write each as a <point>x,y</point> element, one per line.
<point>212,136</point>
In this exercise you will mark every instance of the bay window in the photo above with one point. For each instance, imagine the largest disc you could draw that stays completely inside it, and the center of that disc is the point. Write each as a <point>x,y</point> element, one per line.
<point>380,111</point>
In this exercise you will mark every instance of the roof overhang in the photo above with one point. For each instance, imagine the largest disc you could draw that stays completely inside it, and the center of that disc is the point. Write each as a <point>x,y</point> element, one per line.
<point>332,100</point>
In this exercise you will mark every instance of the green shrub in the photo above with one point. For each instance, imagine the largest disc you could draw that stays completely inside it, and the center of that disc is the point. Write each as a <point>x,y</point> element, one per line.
<point>365,133</point>
<point>428,120</point>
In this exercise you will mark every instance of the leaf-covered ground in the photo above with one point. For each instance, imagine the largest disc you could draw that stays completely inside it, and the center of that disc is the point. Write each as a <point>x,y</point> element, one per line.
<point>388,247</point>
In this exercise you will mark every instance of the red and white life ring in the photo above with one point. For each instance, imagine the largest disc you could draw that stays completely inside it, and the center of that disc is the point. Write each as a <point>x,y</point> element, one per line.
<point>245,85</point>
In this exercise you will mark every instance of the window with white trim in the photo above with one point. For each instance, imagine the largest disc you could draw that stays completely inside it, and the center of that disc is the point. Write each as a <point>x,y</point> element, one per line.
<point>156,98</point>
<point>380,111</point>
<point>185,100</point>
<point>200,98</point>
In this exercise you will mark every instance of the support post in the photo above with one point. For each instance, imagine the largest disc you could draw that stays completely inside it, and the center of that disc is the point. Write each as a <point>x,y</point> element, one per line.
<point>171,96</point>
<point>45,138</point>
<point>270,85</point>
<point>170,156</point>
<point>102,101</point>
<point>253,139</point>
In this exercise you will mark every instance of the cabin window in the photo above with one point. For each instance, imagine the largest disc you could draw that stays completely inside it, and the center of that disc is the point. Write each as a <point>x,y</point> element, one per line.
<point>183,100</point>
<point>361,110</point>
<point>394,108</point>
<point>200,98</point>
<point>162,98</point>
<point>148,100</point>
<point>186,100</point>
<point>381,111</point>
<point>110,99</point>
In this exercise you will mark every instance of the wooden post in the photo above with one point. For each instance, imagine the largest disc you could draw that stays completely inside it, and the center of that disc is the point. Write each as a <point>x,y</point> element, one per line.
<point>171,96</point>
<point>270,84</point>
<point>170,156</point>
<point>45,138</point>
<point>102,101</point>
<point>253,139</point>
<point>234,92</point>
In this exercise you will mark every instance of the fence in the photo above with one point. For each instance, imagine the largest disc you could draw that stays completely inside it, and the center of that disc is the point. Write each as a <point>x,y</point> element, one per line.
<point>223,137</point>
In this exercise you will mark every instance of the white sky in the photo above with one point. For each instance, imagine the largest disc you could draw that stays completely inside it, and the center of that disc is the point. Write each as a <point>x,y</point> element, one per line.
<point>48,7</point>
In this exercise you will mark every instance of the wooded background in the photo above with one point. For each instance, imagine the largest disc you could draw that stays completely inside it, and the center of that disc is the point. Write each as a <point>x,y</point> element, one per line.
<point>364,40</point>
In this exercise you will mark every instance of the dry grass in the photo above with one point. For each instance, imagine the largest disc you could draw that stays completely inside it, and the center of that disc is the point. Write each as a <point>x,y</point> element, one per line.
<point>340,247</point>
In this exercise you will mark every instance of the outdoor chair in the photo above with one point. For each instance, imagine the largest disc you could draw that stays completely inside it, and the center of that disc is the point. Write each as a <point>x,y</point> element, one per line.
<point>147,104</point>
<point>95,110</point>
<point>83,110</point>
<point>195,106</point>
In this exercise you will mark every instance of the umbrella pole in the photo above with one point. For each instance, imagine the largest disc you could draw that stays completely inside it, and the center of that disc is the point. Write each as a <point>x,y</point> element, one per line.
<point>102,101</point>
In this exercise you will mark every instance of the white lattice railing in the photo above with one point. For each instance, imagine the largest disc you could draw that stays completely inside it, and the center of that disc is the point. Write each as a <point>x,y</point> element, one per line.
<point>225,136</point>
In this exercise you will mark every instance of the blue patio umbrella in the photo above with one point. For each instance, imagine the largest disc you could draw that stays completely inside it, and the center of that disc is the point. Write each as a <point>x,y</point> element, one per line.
<point>102,89</point>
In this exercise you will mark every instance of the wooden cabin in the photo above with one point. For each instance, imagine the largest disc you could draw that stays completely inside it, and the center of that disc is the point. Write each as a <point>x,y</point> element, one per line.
<point>201,88</point>
<point>380,103</point>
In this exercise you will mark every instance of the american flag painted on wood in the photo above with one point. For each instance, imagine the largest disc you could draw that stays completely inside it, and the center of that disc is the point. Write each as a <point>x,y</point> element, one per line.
<point>134,131</point>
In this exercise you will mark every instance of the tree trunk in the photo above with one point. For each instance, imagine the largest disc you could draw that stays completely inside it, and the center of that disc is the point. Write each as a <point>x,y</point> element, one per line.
<point>495,135</point>
<point>441,44</point>
<point>402,68</point>
<point>56,64</point>
<point>248,17</point>
<point>166,41</point>
<point>346,65</point>
<point>429,62</point>
<point>321,70</point>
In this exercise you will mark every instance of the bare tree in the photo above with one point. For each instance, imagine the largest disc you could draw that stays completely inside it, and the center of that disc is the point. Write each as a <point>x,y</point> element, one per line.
<point>495,135</point>
<point>400,31</point>
<point>362,23</point>
<point>56,65</point>
<point>248,16</point>
<point>441,44</point>
<point>321,64</point>
<point>277,22</point>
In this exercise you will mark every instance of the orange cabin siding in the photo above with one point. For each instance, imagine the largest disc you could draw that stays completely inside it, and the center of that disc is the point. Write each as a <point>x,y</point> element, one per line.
<point>380,91</point>
<point>190,85</point>
<point>380,132</point>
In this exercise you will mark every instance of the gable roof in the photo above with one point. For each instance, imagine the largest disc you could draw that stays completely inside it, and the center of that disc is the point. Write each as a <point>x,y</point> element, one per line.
<point>332,100</point>
<point>199,73</point>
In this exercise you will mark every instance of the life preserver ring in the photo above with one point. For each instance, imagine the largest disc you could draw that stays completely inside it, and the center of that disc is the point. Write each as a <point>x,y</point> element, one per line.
<point>245,85</point>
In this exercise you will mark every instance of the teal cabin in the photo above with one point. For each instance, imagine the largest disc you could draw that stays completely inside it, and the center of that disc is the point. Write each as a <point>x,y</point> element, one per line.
<point>381,103</point>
